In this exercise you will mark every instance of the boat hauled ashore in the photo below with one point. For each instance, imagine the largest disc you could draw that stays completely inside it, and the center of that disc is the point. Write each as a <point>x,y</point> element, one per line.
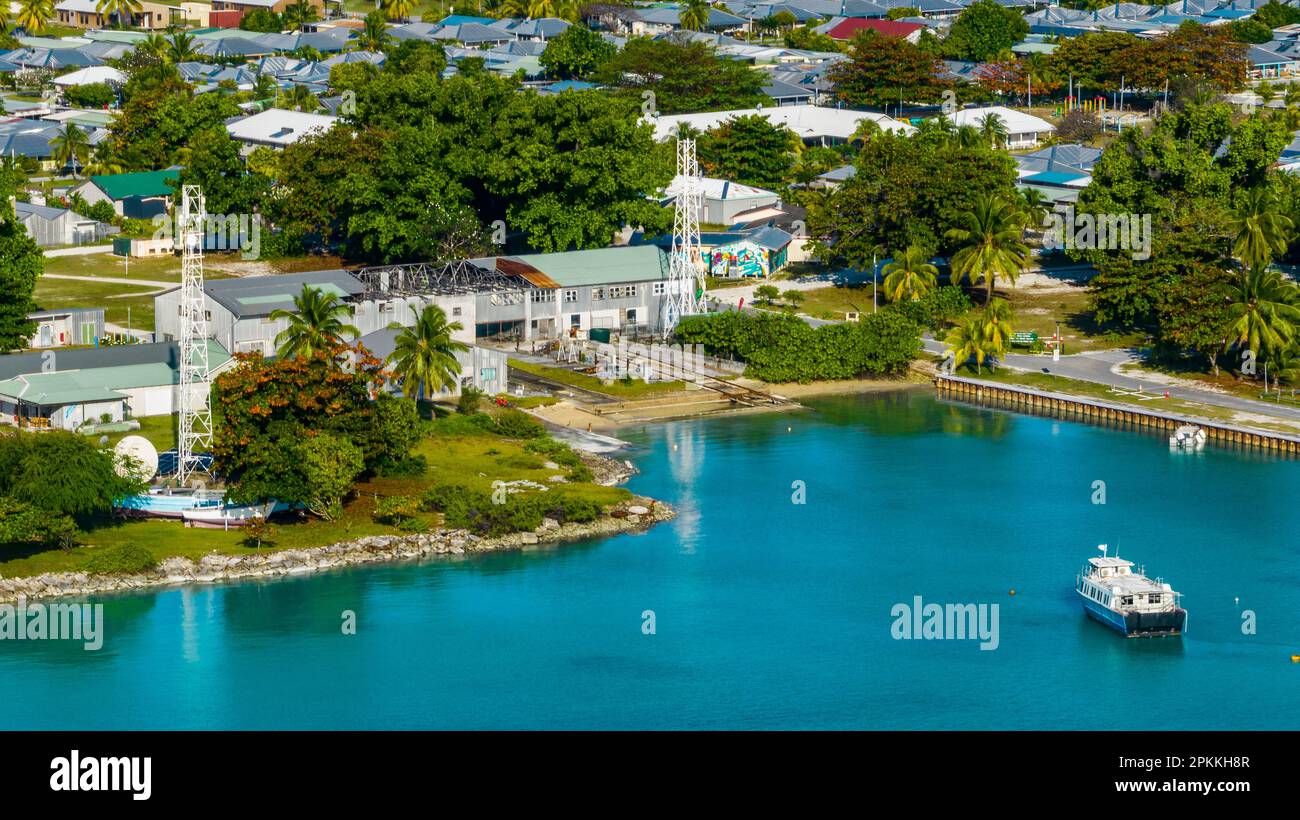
<point>1127,601</point>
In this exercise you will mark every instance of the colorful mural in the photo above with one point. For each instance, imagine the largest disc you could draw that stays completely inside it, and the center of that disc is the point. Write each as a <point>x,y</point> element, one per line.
<point>739,260</point>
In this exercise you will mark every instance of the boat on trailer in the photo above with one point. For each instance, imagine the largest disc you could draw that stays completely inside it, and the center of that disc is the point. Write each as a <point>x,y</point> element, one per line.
<point>1127,601</point>
<point>223,518</point>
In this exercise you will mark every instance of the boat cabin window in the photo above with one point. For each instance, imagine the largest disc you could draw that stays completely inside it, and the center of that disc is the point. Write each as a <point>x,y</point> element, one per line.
<point>1127,600</point>
<point>1154,598</point>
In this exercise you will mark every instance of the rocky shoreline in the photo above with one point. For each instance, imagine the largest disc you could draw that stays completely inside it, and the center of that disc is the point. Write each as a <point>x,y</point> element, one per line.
<point>634,515</point>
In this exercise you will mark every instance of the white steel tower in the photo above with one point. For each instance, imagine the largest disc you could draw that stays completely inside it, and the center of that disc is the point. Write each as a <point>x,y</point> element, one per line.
<point>195,433</point>
<point>685,280</point>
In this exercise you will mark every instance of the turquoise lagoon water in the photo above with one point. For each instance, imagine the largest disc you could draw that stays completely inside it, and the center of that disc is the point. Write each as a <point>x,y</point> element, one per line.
<point>768,614</point>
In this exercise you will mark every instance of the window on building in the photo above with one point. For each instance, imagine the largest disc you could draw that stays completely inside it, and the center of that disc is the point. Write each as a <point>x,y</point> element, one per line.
<point>570,296</point>
<point>659,288</point>
<point>456,311</point>
<point>543,296</point>
<point>487,374</point>
<point>597,294</point>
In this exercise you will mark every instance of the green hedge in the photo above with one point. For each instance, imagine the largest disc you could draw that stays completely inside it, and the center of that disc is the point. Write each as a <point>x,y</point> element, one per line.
<point>473,510</point>
<point>781,348</point>
<point>127,559</point>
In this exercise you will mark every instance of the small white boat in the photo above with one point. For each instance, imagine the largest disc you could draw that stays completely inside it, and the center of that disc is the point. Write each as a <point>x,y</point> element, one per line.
<point>223,518</point>
<point>1188,437</point>
<point>1129,602</point>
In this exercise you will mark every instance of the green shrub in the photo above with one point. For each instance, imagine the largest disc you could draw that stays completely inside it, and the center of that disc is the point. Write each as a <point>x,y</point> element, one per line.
<point>469,509</point>
<point>396,509</point>
<point>127,559</point>
<point>513,423</point>
<point>409,467</point>
<point>783,348</point>
<point>518,461</point>
<point>469,400</point>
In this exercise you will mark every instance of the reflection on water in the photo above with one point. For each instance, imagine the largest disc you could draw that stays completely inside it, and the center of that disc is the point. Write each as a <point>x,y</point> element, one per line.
<point>769,614</point>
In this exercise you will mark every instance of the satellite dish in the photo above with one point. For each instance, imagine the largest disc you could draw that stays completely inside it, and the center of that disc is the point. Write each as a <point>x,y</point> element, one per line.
<point>136,458</point>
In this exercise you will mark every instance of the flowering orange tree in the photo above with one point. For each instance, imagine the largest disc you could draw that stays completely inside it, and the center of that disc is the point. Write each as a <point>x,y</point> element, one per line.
<point>265,411</point>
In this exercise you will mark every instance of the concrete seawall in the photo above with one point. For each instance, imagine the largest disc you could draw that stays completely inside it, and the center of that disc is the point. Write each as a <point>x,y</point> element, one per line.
<point>1112,413</point>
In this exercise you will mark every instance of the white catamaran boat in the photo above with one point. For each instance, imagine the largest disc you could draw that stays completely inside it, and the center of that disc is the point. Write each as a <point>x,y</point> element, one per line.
<point>1127,601</point>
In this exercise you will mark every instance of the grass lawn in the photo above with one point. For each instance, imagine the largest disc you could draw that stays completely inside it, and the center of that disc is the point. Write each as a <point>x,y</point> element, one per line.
<point>831,302</point>
<point>160,430</point>
<point>626,389</point>
<point>474,459</point>
<point>165,268</point>
<point>1038,310</point>
<point>115,298</point>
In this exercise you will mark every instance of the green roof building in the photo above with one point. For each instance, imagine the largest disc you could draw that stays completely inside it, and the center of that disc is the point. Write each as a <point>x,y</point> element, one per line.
<point>117,382</point>
<point>141,195</point>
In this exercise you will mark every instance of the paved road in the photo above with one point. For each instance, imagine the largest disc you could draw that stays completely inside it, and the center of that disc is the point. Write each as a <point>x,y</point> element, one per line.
<point>1102,367</point>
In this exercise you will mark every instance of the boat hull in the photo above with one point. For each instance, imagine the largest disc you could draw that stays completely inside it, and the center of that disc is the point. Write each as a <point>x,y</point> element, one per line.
<point>1138,624</point>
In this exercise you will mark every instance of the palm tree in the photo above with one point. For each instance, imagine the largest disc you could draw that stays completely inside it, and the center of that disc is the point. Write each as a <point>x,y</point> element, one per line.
<point>910,274</point>
<point>990,244</point>
<point>426,353</point>
<point>1292,95</point>
<point>1264,312</point>
<point>181,47</point>
<point>123,10</point>
<point>966,341</point>
<point>865,130</point>
<point>70,147</point>
<point>686,131</point>
<point>1260,230</point>
<point>993,130</point>
<point>1034,206</point>
<point>996,327</point>
<point>264,86</point>
<point>315,324</point>
<point>299,13</point>
<point>936,129</point>
<point>34,14</point>
<point>694,15</point>
<point>399,9</point>
<point>298,98</point>
<point>968,136</point>
<point>155,44</point>
<point>374,34</point>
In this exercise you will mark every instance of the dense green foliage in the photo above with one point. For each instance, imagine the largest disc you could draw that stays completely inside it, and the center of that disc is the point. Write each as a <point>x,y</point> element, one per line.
<point>91,95</point>
<point>473,510</point>
<point>125,559</point>
<point>907,192</point>
<point>749,150</point>
<point>575,53</point>
<point>21,263</point>
<point>267,409</point>
<point>783,348</point>
<point>680,77</point>
<point>984,30</point>
<point>887,71</point>
<point>62,473</point>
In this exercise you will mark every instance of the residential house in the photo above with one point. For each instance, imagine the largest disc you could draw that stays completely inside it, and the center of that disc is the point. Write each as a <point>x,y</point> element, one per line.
<point>277,127</point>
<point>141,195</point>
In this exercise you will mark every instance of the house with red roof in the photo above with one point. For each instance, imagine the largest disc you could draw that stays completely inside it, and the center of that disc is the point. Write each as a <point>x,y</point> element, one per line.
<point>851,27</point>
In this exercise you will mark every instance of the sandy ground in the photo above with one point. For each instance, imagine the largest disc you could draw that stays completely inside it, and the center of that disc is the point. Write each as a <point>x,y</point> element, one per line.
<point>1136,372</point>
<point>568,413</point>
<point>795,390</point>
